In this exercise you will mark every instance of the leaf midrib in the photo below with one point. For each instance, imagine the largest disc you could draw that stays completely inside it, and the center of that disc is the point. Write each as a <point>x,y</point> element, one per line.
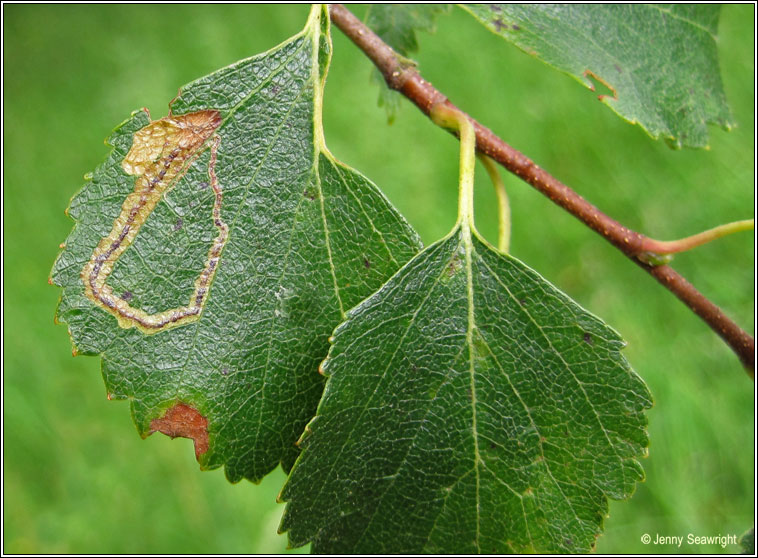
<point>468,250</point>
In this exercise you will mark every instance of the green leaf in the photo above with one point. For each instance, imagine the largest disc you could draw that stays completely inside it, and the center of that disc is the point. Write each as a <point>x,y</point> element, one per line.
<point>658,63</point>
<point>470,407</point>
<point>306,239</point>
<point>397,24</point>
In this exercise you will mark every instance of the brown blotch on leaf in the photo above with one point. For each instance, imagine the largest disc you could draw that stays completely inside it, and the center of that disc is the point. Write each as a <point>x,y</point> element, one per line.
<point>588,338</point>
<point>182,421</point>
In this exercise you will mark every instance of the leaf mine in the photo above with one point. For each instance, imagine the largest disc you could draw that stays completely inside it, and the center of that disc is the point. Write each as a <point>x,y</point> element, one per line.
<point>160,155</point>
<point>183,421</point>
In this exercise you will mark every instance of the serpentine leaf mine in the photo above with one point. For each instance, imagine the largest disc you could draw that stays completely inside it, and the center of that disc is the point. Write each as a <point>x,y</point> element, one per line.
<point>160,155</point>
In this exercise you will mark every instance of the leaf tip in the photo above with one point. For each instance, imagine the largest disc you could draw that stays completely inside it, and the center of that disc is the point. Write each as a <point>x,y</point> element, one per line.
<point>302,437</point>
<point>323,365</point>
<point>143,109</point>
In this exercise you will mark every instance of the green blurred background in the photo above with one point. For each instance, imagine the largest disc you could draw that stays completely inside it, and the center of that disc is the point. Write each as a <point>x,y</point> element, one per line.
<point>78,479</point>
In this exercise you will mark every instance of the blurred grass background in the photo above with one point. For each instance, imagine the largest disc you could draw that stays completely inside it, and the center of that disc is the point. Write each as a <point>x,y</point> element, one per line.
<point>77,477</point>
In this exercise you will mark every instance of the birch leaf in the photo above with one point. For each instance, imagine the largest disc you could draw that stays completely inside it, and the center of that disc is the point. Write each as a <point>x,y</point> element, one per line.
<point>216,249</point>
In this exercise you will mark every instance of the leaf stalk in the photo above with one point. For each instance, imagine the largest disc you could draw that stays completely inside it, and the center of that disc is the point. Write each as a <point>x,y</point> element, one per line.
<point>690,242</point>
<point>503,205</point>
<point>453,119</point>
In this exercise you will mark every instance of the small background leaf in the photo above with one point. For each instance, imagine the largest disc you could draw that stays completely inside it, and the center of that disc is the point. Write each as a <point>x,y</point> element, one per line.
<point>397,24</point>
<point>467,410</point>
<point>657,64</point>
<point>308,239</point>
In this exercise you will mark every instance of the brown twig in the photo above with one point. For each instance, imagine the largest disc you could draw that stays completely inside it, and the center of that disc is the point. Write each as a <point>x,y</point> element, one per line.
<point>404,78</point>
